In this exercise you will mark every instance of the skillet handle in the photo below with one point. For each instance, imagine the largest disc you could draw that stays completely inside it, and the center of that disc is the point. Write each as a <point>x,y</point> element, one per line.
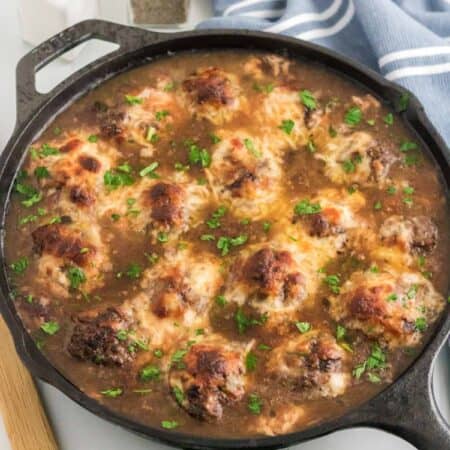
<point>408,408</point>
<point>29,99</point>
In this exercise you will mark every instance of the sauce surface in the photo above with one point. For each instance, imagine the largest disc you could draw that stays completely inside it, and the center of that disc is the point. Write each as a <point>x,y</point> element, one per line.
<point>229,243</point>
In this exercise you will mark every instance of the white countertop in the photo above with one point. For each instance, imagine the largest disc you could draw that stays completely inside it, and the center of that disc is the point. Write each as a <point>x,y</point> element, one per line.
<point>75,428</point>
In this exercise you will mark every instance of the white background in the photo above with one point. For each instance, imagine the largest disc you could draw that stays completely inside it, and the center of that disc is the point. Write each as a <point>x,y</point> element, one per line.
<point>75,428</point>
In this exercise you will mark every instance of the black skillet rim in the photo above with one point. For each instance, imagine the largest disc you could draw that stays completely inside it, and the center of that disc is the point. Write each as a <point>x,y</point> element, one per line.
<point>36,361</point>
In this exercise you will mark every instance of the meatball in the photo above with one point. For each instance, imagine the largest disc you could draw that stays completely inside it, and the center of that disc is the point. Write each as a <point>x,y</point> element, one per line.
<point>166,202</point>
<point>96,338</point>
<point>387,305</point>
<point>312,364</point>
<point>267,279</point>
<point>417,235</point>
<point>59,241</point>
<point>211,376</point>
<point>212,94</point>
<point>271,273</point>
<point>210,86</point>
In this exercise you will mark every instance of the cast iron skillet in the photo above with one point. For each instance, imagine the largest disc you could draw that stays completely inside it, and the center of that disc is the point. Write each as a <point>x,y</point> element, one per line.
<point>406,407</point>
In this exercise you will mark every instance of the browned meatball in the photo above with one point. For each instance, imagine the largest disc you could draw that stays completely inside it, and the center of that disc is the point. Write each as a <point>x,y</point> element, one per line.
<point>211,376</point>
<point>81,196</point>
<point>166,201</point>
<point>60,241</point>
<point>170,295</point>
<point>89,163</point>
<point>95,338</point>
<point>312,364</point>
<point>381,160</point>
<point>416,235</point>
<point>209,86</point>
<point>270,272</point>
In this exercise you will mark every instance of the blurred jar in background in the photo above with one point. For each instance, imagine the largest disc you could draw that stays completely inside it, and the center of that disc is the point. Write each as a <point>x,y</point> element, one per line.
<point>158,12</point>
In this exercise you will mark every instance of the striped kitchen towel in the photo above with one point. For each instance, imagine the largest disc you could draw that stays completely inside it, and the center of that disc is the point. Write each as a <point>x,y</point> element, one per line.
<point>408,41</point>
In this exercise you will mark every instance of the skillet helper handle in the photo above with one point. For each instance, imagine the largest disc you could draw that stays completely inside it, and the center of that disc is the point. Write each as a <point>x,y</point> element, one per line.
<point>23,415</point>
<point>28,98</point>
<point>408,408</point>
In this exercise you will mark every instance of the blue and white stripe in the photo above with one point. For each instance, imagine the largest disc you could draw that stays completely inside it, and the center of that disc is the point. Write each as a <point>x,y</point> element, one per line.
<point>408,41</point>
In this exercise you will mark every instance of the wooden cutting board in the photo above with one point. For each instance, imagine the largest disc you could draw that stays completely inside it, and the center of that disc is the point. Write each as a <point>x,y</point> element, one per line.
<point>23,415</point>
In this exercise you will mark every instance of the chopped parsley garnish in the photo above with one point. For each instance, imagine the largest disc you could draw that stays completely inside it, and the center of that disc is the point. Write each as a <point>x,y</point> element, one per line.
<point>199,156</point>
<point>179,167</point>
<point>207,237</point>
<point>251,148</point>
<point>133,100</point>
<point>119,177</point>
<point>370,122</point>
<point>287,126</point>
<point>251,361</point>
<point>134,271</point>
<point>340,332</point>
<point>150,170</point>
<point>308,99</point>
<point>169,424</point>
<point>76,277</point>
<point>214,221</point>
<point>221,300</point>
<point>303,327</point>
<point>162,237</point>
<point>403,102</point>
<point>353,116</point>
<point>149,373</point>
<point>20,265</point>
<point>243,322</point>
<point>373,378</point>
<point>267,89</point>
<point>57,131</point>
<point>151,135</point>
<point>311,146</point>
<point>377,205</point>
<point>245,221</point>
<point>406,146</point>
<point>332,132</point>
<point>264,347</point>
<point>411,160</point>
<point>376,360</point>
<point>388,119</point>
<point>113,393</point>
<point>214,138</point>
<point>50,328</point>
<point>348,166</point>
<point>47,150</point>
<point>41,172</point>
<point>28,219</point>
<point>421,261</point>
<point>391,190</point>
<point>142,391</point>
<point>305,207</point>
<point>224,243</point>
<point>93,138</point>
<point>160,115</point>
<point>412,291</point>
<point>158,353</point>
<point>254,404</point>
<point>408,190</point>
<point>170,86</point>
<point>333,282</point>
<point>392,297</point>
<point>32,196</point>
<point>266,227</point>
<point>178,394</point>
<point>115,217</point>
<point>177,358</point>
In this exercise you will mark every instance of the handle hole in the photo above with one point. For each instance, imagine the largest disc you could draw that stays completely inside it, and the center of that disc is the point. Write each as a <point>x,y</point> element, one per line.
<point>441,387</point>
<point>64,66</point>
